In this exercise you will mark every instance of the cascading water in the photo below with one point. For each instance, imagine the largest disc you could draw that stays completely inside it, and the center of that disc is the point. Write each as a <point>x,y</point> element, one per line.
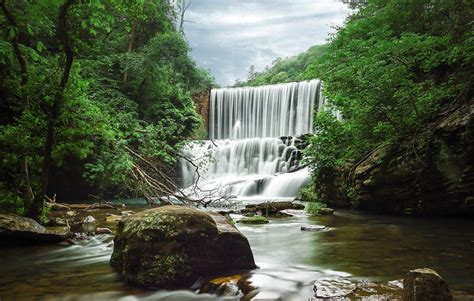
<point>253,151</point>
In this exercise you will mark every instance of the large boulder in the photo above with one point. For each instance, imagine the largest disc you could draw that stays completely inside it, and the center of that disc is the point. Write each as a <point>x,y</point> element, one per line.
<point>172,246</point>
<point>425,284</point>
<point>18,230</point>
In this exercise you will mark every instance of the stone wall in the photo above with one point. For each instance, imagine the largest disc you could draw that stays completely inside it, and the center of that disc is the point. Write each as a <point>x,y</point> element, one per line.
<point>201,100</point>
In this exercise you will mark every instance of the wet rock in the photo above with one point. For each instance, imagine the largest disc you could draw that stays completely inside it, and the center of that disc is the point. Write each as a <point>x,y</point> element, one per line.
<point>71,213</point>
<point>432,176</point>
<point>127,213</point>
<point>294,212</point>
<point>112,218</point>
<point>57,206</point>
<point>313,228</point>
<point>172,246</point>
<point>333,287</point>
<point>57,221</point>
<point>425,284</point>
<point>267,296</point>
<point>339,288</point>
<point>250,295</point>
<point>18,230</point>
<point>272,207</point>
<point>103,231</point>
<point>106,205</point>
<point>256,219</point>
<point>325,211</point>
<point>89,224</point>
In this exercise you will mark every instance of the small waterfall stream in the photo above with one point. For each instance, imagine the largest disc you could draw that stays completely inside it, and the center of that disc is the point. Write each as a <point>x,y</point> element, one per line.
<point>253,151</point>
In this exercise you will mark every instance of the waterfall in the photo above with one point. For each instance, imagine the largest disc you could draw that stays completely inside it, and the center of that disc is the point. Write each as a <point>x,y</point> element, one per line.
<point>266,111</point>
<point>253,151</point>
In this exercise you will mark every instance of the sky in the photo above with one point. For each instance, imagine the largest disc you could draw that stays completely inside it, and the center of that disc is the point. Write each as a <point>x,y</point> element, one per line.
<point>228,36</point>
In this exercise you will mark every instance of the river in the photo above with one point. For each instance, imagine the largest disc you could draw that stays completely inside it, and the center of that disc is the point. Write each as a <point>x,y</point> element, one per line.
<point>361,246</point>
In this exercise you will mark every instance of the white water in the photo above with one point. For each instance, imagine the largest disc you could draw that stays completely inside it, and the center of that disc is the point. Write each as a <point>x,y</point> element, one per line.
<point>265,111</point>
<point>247,156</point>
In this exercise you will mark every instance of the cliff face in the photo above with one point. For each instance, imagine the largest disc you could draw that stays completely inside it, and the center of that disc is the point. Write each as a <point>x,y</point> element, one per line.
<point>430,173</point>
<point>201,100</point>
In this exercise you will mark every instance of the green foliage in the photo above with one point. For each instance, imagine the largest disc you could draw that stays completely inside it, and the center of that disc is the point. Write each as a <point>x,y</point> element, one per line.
<point>394,65</point>
<point>314,208</point>
<point>307,194</point>
<point>256,219</point>
<point>9,201</point>
<point>129,89</point>
<point>284,70</point>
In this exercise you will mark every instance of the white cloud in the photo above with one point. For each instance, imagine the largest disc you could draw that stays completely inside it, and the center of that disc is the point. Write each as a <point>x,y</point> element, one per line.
<point>228,36</point>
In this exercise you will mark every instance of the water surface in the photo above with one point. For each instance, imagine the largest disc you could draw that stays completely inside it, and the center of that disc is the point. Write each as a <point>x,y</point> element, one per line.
<point>361,246</point>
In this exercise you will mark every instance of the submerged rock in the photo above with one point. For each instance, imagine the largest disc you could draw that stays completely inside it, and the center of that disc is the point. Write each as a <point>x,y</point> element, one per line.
<point>340,288</point>
<point>325,211</point>
<point>425,284</point>
<point>103,231</point>
<point>295,213</point>
<point>313,228</point>
<point>18,230</point>
<point>332,287</point>
<point>172,246</point>
<point>89,224</point>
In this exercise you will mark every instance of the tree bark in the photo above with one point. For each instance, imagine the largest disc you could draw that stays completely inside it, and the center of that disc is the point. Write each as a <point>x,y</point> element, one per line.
<point>130,46</point>
<point>53,115</point>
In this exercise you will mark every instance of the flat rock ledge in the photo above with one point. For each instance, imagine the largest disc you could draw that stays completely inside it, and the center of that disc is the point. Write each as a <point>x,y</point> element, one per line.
<point>19,230</point>
<point>173,246</point>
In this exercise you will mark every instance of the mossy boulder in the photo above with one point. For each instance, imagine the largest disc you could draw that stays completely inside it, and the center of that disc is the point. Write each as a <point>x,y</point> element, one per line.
<point>19,230</point>
<point>425,284</point>
<point>272,207</point>
<point>172,246</point>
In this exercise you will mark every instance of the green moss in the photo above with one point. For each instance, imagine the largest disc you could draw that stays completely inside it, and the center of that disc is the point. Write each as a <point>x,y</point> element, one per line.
<point>315,208</point>
<point>257,219</point>
<point>162,269</point>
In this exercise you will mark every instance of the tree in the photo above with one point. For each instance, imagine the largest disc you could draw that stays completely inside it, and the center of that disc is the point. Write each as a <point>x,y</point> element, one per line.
<point>118,111</point>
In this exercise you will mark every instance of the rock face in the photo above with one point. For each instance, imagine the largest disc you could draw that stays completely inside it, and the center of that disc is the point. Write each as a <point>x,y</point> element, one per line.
<point>172,246</point>
<point>430,172</point>
<point>425,284</point>
<point>18,230</point>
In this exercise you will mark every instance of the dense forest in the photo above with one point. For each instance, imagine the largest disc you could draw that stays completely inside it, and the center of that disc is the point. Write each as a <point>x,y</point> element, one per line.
<point>101,88</point>
<point>392,68</point>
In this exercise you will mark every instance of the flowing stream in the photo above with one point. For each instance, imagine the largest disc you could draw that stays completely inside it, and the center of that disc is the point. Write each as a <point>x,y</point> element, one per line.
<point>359,246</point>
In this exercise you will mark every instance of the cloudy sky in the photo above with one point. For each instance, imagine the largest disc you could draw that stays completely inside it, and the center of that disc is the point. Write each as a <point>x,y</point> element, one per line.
<point>228,36</point>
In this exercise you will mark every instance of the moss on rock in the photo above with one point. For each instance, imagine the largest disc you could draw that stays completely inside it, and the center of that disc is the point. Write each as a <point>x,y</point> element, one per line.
<point>172,246</point>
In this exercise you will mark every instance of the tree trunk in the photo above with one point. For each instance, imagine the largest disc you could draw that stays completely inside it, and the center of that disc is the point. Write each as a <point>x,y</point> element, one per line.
<point>53,115</point>
<point>130,46</point>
